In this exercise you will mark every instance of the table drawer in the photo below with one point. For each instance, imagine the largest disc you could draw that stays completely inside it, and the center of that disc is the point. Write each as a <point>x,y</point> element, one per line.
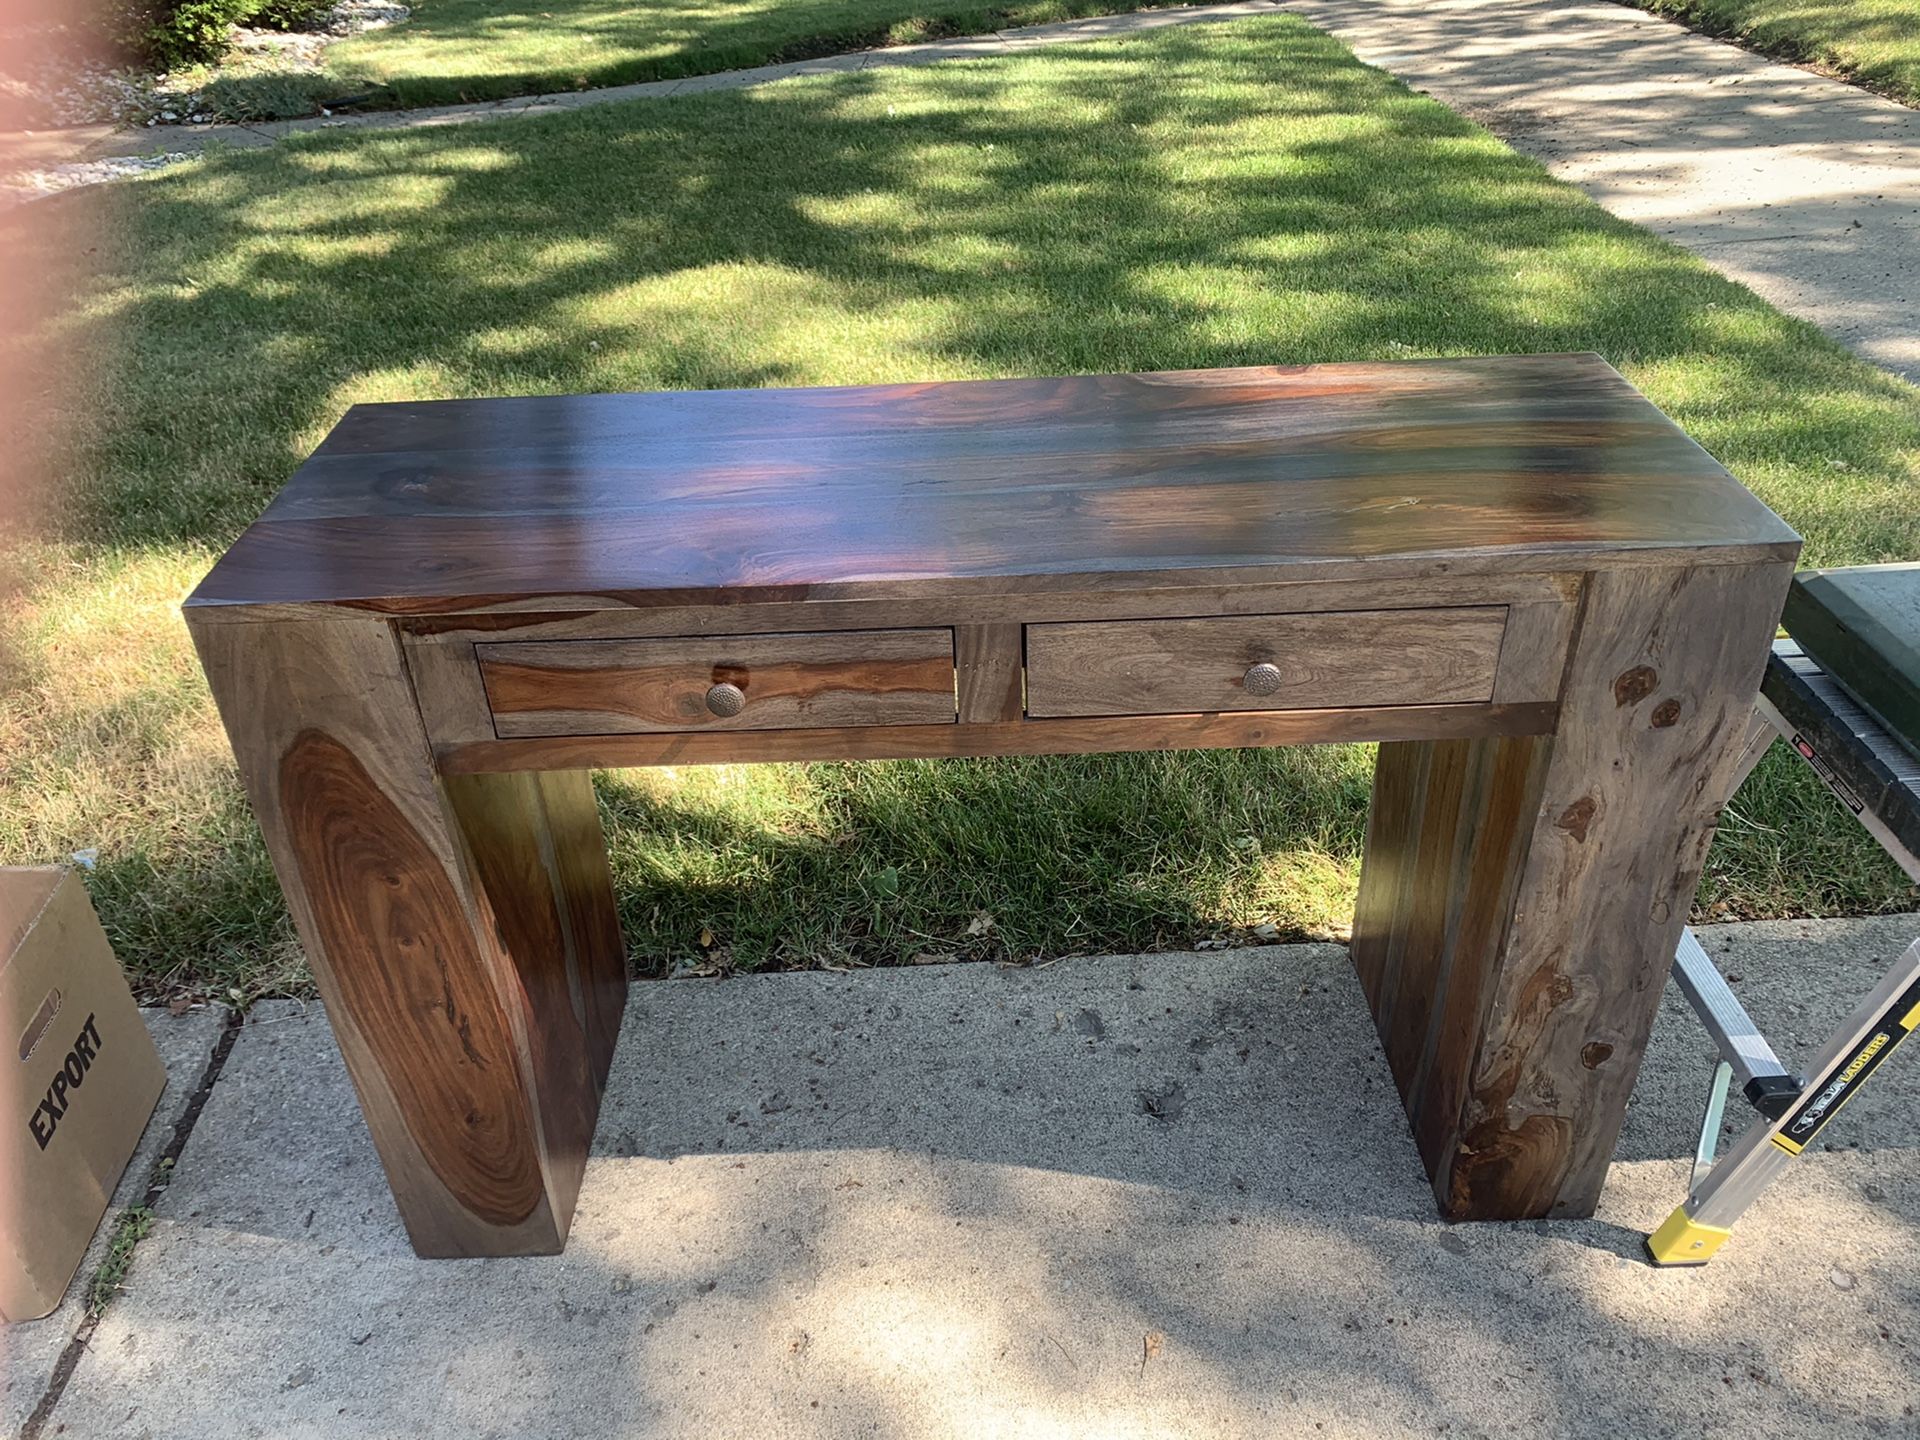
<point>727,682</point>
<point>1334,660</point>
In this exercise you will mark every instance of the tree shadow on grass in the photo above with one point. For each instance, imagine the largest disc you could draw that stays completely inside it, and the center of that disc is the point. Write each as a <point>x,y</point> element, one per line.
<point>1247,195</point>
<point>1223,195</point>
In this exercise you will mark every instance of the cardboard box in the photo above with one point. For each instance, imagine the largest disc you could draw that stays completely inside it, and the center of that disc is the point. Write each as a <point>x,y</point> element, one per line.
<point>81,1079</point>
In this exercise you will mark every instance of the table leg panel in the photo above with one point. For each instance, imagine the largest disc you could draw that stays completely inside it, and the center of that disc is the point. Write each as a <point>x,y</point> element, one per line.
<point>538,854</point>
<point>1450,820</point>
<point>422,962</point>
<point>1537,991</point>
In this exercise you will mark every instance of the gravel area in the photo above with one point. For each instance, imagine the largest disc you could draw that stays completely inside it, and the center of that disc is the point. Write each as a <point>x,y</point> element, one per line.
<point>84,94</point>
<point>33,184</point>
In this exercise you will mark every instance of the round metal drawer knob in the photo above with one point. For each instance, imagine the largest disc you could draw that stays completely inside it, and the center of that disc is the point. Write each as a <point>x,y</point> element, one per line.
<point>724,699</point>
<point>1261,679</point>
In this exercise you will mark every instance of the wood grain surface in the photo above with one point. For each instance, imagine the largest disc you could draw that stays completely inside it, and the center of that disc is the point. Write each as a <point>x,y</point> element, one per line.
<point>1520,903</point>
<point>613,687</point>
<point>1426,584</point>
<point>1549,604</point>
<point>1445,837</point>
<point>1343,659</point>
<point>1076,736</point>
<point>679,497</point>
<point>449,960</point>
<point>538,855</point>
<point>990,681</point>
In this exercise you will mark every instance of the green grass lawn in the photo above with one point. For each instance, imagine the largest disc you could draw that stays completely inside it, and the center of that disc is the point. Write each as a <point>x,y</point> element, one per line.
<point>455,50</point>
<point>1873,42</point>
<point>1220,195</point>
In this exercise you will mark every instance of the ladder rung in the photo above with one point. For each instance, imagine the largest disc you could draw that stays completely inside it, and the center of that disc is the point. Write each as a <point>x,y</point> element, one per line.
<point>1726,1019</point>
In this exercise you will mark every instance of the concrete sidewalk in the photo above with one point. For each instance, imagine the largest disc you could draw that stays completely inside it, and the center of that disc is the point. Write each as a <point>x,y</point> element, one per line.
<point>31,1355</point>
<point>1803,188</point>
<point>933,1202</point>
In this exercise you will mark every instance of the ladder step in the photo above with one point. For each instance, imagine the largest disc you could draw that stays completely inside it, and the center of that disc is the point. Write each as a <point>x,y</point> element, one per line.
<point>1726,1019</point>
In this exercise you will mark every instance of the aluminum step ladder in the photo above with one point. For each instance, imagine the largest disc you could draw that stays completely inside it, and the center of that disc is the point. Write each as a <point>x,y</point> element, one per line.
<point>1879,782</point>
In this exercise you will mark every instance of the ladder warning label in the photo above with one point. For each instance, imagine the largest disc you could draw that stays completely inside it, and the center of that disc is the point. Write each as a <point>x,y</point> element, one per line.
<point>1825,771</point>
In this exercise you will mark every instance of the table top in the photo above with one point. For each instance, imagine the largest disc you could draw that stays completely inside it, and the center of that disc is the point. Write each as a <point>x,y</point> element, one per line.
<point>684,497</point>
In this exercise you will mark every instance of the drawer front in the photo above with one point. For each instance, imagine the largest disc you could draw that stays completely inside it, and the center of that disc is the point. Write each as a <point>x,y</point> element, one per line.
<point>736,682</point>
<point>1335,660</point>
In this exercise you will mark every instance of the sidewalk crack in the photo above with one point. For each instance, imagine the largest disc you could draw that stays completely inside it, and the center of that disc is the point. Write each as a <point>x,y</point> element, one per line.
<point>157,1186</point>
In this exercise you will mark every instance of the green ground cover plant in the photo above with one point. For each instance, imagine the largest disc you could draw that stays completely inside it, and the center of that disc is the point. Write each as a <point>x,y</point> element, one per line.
<point>1872,42</point>
<point>166,33</point>
<point>1219,195</point>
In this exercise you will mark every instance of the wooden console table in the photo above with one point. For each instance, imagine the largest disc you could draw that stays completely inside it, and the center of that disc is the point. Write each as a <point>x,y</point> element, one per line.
<point>1550,606</point>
